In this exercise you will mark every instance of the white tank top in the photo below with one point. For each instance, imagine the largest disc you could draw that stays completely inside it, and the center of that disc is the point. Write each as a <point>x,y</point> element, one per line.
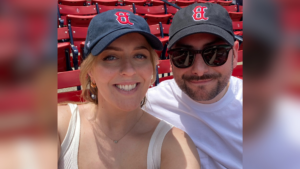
<point>69,147</point>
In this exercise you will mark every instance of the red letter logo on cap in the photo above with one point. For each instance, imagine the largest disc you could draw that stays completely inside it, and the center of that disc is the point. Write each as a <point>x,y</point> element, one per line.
<point>123,18</point>
<point>199,13</point>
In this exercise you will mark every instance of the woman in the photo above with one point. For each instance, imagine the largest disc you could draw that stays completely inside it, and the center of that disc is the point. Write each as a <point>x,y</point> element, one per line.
<point>111,130</point>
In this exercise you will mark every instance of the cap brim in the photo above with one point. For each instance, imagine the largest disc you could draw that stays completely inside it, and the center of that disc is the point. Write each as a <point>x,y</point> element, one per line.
<point>108,39</point>
<point>203,28</point>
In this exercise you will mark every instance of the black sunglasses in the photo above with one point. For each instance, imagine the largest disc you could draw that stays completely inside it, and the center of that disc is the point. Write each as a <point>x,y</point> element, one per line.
<point>212,56</point>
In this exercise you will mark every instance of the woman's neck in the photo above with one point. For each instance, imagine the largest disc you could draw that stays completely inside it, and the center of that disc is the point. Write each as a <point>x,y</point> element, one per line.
<point>114,120</point>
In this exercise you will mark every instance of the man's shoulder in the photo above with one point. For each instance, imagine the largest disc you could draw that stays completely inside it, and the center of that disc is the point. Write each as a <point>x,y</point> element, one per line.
<point>164,91</point>
<point>164,86</point>
<point>237,87</point>
<point>237,81</point>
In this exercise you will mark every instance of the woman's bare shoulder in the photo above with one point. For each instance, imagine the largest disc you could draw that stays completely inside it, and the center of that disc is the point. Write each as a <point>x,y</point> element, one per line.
<point>63,118</point>
<point>179,151</point>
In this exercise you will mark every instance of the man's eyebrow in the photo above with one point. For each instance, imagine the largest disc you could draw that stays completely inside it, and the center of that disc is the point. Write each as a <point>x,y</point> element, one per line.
<point>182,45</point>
<point>215,41</point>
<point>113,48</point>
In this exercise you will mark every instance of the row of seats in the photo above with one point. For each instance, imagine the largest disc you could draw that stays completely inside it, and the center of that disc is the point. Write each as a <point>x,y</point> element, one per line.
<point>140,2</point>
<point>81,15</point>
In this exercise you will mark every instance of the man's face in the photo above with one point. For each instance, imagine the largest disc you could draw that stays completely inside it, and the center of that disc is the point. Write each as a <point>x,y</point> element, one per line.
<point>200,81</point>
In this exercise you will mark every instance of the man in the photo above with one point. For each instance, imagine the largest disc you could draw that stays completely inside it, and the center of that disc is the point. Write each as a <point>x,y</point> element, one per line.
<point>203,99</point>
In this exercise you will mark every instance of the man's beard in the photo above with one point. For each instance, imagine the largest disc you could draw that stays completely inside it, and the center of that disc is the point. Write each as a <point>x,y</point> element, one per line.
<point>205,95</point>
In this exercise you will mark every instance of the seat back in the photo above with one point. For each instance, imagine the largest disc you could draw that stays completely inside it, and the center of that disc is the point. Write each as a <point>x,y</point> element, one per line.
<point>80,21</point>
<point>184,2</point>
<point>163,67</point>
<point>155,29</point>
<point>237,25</point>
<point>166,28</point>
<point>136,2</point>
<point>231,8</point>
<point>73,2</point>
<point>63,33</point>
<point>106,2</point>
<point>63,50</point>
<point>77,10</point>
<point>224,3</point>
<point>150,9</point>
<point>65,80</point>
<point>104,8</point>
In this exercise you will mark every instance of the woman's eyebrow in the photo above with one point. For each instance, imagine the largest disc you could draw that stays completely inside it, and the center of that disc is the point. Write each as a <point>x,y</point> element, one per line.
<point>113,48</point>
<point>141,47</point>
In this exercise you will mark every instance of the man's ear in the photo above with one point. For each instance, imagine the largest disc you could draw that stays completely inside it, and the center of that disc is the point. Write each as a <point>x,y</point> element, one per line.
<point>235,53</point>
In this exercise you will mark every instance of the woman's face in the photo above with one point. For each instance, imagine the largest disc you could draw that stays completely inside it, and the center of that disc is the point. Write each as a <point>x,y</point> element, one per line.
<point>123,72</point>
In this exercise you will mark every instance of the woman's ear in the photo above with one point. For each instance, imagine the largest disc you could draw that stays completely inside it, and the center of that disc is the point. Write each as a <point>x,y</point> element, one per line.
<point>91,76</point>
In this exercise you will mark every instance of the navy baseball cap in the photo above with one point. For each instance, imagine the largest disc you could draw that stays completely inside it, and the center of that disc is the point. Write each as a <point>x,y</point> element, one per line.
<point>201,18</point>
<point>106,27</point>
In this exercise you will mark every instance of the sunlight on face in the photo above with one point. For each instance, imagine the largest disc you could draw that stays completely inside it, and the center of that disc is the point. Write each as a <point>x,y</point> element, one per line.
<point>123,72</point>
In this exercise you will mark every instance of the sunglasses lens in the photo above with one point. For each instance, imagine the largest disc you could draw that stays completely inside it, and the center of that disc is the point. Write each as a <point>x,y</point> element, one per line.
<point>182,58</point>
<point>216,56</point>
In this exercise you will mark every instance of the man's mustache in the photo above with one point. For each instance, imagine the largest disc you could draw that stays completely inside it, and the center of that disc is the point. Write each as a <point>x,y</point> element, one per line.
<point>204,77</point>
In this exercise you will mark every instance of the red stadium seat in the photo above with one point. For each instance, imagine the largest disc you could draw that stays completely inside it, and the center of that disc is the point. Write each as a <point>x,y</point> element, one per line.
<point>172,10</point>
<point>79,35</point>
<point>240,8</point>
<point>136,2</point>
<point>206,1</point>
<point>158,2</point>
<point>238,70</point>
<point>65,80</point>
<point>106,2</point>
<point>231,8</point>
<point>236,16</point>
<point>77,15</point>
<point>224,3</point>
<point>103,8</point>
<point>240,56</point>
<point>237,27</point>
<point>153,14</point>
<point>184,2</point>
<point>72,2</point>
<point>156,30</point>
<point>63,50</point>
<point>80,21</point>
<point>163,67</point>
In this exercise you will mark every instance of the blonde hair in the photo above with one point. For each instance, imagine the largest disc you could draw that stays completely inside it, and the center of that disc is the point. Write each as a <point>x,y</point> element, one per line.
<point>85,79</point>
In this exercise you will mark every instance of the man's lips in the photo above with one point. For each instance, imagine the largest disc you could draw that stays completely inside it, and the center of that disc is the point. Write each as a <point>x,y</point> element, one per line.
<point>200,81</point>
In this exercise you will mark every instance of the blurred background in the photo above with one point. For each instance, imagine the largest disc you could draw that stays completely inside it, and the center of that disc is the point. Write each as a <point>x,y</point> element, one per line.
<point>271,112</point>
<point>28,84</point>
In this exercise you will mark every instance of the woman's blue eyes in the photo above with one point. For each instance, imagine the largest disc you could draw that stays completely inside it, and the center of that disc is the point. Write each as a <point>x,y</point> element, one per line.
<point>140,56</point>
<point>110,58</point>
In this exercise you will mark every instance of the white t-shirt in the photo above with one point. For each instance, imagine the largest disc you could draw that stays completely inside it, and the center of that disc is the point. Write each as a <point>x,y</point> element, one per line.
<point>216,128</point>
<point>277,144</point>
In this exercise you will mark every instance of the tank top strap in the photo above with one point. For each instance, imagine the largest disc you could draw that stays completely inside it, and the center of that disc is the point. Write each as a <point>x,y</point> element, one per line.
<point>156,141</point>
<point>70,145</point>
